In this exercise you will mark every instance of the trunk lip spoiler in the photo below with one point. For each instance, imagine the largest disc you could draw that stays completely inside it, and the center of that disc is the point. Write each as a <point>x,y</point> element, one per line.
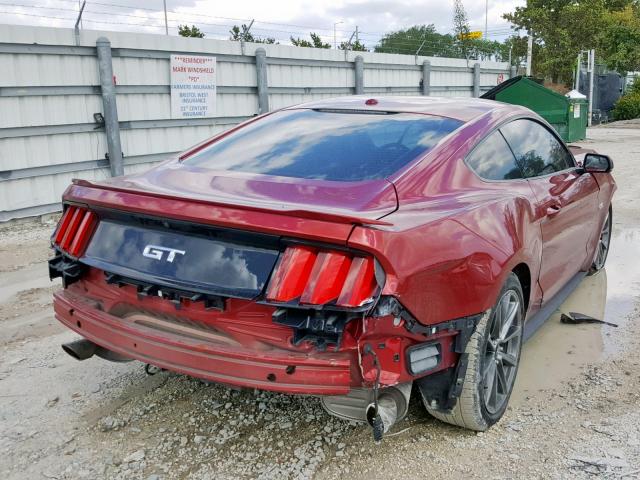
<point>300,213</point>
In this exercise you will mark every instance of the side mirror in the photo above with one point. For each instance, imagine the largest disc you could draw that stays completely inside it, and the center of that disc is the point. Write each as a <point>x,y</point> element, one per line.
<point>596,163</point>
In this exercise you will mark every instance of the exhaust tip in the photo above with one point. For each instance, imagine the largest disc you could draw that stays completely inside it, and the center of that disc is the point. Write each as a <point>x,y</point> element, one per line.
<point>80,349</point>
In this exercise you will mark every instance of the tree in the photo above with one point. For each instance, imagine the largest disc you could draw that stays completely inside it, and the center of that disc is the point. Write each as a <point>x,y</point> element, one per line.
<point>356,46</point>
<point>242,34</point>
<point>190,31</point>
<point>418,40</point>
<point>620,42</point>
<point>482,49</point>
<point>562,28</point>
<point>316,42</point>
<point>461,28</point>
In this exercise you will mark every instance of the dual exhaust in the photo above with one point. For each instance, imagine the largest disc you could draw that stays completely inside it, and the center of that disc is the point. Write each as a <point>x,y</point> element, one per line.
<point>83,349</point>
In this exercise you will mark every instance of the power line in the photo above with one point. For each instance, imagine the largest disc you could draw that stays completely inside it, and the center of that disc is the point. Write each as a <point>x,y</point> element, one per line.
<point>178,18</point>
<point>198,15</point>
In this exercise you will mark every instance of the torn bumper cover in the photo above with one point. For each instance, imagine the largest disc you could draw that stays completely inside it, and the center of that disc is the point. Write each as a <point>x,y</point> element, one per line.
<point>244,343</point>
<point>276,370</point>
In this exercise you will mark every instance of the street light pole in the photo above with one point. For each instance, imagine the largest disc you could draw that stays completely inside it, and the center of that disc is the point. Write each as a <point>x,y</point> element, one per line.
<point>529,53</point>
<point>335,43</point>
<point>486,19</point>
<point>166,24</point>
<point>592,68</point>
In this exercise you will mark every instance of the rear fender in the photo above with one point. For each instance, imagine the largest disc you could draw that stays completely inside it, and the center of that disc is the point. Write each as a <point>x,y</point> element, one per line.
<point>454,264</point>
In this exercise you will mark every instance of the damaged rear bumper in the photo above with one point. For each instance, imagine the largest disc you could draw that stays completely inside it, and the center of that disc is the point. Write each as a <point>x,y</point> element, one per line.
<point>329,373</point>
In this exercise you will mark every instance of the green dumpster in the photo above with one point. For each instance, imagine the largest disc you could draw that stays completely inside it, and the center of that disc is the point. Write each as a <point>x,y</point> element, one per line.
<point>567,115</point>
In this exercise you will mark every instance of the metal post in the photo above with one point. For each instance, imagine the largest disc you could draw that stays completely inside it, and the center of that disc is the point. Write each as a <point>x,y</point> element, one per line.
<point>359,70</point>
<point>513,71</point>
<point>244,35</point>
<point>576,82</point>
<point>263,84</point>
<point>426,78</point>
<point>592,67</point>
<point>529,53</point>
<point>111,126</point>
<point>486,20</point>
<point>476,80</point>
<point>76,28</point>
<point>166,24</point>
<point>335,42</point>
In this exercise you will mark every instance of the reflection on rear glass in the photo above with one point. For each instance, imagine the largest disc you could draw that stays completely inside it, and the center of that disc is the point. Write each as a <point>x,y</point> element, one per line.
<point>323,145</point>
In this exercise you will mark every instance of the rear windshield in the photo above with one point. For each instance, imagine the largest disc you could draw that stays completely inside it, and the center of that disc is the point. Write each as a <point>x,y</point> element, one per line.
<point>326,145</point>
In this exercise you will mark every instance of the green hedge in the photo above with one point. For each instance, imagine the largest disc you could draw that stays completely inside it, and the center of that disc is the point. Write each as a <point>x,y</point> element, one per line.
<point>627,107</point>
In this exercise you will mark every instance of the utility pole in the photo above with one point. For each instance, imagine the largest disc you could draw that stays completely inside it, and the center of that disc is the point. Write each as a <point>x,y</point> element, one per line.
<point>529,53</point>
<point>335,43</point>
<point>592,67</point>
<point>166,24</point>
<point>486,19</point>
<point>357,39</point>
<point>576,83</point>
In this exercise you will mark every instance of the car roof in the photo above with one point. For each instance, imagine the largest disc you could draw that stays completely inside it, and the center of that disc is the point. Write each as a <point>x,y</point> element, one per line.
<point>463,109</point>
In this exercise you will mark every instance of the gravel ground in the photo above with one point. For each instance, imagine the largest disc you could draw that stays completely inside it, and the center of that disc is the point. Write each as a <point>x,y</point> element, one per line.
<point>575,412</point>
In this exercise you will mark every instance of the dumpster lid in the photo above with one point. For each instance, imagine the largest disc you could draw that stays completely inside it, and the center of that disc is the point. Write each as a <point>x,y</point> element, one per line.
<point>491,94</point>
<point>574,94</point>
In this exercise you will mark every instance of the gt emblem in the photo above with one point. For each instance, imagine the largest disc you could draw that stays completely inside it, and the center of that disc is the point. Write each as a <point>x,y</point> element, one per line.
<point>156,252</point>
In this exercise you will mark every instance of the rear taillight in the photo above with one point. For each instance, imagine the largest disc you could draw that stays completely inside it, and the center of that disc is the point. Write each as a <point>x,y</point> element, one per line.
<point>74,230</point>
<point>312,276</point>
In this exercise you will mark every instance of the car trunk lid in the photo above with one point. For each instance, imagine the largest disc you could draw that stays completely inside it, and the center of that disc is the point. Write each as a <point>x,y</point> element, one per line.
<point>365,200</point>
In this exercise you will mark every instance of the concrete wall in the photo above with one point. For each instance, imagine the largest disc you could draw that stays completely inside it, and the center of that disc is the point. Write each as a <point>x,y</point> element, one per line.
<point>50,89</point>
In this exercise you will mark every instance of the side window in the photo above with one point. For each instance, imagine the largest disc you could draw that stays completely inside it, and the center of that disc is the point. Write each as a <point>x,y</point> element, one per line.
<point>493,160</point>
<point>537,150</point>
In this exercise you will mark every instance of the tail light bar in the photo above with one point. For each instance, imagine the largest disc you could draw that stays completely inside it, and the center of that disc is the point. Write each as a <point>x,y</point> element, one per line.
<point>74,230</point>
<point>312,276</point>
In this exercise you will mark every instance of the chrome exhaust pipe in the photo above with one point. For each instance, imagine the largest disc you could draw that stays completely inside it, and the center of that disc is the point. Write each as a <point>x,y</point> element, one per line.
<point>82,349</point>
<point>392,406</point>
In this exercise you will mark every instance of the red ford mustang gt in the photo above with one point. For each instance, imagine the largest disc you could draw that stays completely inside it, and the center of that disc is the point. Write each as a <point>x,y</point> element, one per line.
<point>345,248</point>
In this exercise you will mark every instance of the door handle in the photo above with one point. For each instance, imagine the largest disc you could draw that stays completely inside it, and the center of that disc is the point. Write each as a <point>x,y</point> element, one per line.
<point>553,209</point>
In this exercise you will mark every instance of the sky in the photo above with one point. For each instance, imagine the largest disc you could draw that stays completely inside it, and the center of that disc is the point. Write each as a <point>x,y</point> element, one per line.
<point>279,19</point>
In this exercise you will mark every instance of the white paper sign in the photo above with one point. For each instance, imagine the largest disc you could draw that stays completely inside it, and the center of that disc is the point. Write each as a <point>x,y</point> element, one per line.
<point>576,110</point>
<point>193,86</point>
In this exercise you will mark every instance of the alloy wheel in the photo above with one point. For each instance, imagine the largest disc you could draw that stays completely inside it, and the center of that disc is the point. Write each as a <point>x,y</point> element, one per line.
<point>502,352</point>
<point>603,244</point>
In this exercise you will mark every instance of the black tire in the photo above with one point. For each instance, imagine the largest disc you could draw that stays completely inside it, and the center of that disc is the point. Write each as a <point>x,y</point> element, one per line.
<point>604,242</point>
<point>474,410</point>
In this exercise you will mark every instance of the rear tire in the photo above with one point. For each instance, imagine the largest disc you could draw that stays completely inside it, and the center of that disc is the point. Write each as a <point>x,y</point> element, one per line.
<point>493,358</point>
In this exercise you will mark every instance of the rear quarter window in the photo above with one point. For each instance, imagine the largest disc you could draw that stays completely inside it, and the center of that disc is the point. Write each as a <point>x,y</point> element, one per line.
<point>493,160</point>
<point>326,145</point>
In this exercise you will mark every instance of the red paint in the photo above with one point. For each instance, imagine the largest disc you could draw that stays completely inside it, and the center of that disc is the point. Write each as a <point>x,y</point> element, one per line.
<point>445,239</point>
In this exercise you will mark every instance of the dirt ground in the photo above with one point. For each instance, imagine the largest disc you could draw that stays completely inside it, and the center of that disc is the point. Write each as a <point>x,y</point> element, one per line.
<point>575,412</point>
